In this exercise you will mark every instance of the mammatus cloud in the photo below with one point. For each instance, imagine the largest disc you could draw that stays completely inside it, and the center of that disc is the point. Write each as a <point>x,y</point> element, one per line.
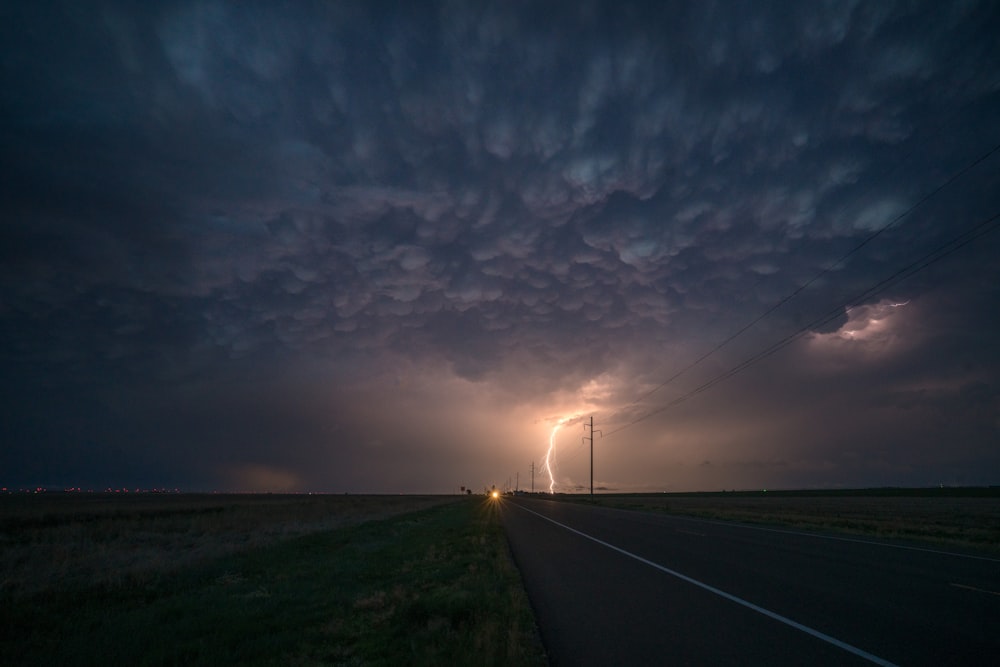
<point>344,202</point>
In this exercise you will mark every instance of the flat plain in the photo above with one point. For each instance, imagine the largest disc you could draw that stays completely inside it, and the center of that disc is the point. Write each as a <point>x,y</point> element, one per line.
<point>259,579</point>
<point>346,579</point>
<point>960,516</point>
<point>62,541</point>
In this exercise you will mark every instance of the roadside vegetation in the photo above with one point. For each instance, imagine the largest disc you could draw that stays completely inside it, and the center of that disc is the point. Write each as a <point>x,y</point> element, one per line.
<point>66,541</point>
<point>426,587</point>
<point>959,517</point>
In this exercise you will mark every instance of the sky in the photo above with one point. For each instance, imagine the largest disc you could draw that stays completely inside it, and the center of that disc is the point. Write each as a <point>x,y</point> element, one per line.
<point>390,247</point>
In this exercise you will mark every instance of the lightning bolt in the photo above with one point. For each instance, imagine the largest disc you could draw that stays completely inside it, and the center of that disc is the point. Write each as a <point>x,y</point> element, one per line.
<point>550,456</point>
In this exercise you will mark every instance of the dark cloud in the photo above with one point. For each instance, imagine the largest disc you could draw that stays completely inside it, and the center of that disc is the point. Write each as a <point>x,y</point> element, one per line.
<point>320,246</point>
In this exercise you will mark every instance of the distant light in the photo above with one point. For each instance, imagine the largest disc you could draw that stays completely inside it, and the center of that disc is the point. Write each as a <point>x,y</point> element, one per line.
<point>496,494</point>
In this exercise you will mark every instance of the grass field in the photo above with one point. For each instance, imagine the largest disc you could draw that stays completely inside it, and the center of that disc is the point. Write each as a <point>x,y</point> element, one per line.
<point>261,580</point>
<point>968,518</point>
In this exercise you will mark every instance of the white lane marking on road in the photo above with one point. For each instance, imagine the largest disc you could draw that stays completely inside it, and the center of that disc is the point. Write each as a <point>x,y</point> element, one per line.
<point>689,532</point>
<point>973,588</point>
<point>729,596</point>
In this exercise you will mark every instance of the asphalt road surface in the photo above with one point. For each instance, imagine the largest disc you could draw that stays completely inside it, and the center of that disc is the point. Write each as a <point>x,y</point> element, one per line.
<point>612,587</point>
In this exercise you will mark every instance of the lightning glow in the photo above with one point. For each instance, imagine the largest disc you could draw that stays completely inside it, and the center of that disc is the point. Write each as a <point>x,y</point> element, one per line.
<point>550,456</point>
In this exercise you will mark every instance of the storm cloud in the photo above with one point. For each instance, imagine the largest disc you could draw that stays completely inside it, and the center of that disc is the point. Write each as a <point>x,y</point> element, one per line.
<point>381,247</point>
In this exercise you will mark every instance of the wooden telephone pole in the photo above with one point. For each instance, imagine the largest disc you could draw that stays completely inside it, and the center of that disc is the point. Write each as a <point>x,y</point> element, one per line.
<point>591,438</point>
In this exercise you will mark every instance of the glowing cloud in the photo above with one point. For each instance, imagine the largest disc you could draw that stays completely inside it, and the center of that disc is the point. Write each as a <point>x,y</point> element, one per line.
<point>872,331</point>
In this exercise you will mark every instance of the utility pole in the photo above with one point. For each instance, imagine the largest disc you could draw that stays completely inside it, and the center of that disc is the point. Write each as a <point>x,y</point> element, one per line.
<point>591,438</point>
<point>517,481</point>
<point>532,477</point>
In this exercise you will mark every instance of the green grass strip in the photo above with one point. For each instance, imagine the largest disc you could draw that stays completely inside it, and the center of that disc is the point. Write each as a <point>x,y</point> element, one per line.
<point>435,587</point>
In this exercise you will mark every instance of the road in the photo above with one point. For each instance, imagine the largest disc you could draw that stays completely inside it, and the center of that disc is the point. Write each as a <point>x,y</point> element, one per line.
<point>612,587</point>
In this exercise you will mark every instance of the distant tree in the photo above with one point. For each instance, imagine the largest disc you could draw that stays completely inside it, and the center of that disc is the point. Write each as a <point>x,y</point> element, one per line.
<point>468,492</point>
<point>463,489</point>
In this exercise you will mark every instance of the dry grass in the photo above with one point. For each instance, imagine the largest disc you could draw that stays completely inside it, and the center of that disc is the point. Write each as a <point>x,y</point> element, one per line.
<point>69,541</point>
<point>280,581</point>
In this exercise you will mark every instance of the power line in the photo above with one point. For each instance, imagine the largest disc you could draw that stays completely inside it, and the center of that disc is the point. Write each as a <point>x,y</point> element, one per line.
<point>979,230</point>
<point>902,274</point>
<point>940,253</point>
<point>868,239</point>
